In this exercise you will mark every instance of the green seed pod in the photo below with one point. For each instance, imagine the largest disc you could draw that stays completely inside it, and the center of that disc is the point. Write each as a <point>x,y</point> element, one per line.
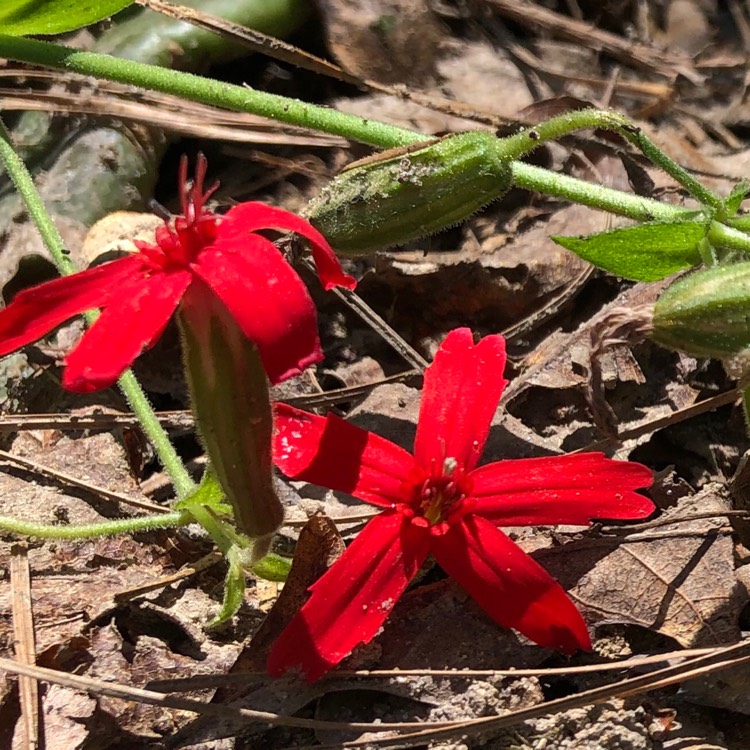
<point>706,314</point>
<point>407,193</point>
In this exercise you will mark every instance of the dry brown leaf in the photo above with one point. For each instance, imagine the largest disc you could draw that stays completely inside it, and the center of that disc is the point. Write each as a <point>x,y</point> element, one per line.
<point>676,579</point>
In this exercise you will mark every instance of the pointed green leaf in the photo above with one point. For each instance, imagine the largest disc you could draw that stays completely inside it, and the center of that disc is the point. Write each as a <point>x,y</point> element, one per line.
<point>24,17</point>
<point>647,252</point>
<point>273,567</point>
<point>734,200</point>
<point>208,493</point>
<point>234,588</point>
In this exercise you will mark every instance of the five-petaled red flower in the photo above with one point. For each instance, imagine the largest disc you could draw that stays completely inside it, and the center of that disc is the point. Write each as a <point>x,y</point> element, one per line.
<point>199,253</point>
<point>438,501</point>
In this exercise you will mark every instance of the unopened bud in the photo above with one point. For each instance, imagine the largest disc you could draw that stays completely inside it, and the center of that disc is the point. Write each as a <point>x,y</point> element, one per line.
<point>407,193</point>
<point>706,314</point>
<point>232,407</point>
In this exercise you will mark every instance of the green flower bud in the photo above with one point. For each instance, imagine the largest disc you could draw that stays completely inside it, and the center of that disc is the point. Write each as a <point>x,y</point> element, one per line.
<point>407,193</point>
<point>232,407</point>
<point>706,314</point>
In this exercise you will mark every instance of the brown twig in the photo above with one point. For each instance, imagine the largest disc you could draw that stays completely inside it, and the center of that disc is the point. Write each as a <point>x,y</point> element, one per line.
<point>25,642</point>
<point>61,476</point>
<point>151,697</point>
<point>170,420</point>
<point>280,50</point>
<point>168,113</point>
<point>721,659</point>
<point>208,682</point>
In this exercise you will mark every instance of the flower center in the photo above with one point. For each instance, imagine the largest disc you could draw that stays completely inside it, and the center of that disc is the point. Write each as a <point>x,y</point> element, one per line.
<point>438,495</point>
<point>178,244</point>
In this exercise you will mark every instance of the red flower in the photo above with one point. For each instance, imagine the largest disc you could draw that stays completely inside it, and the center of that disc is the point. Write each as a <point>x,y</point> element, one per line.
<point>200,251</point>
<point>438,502</point>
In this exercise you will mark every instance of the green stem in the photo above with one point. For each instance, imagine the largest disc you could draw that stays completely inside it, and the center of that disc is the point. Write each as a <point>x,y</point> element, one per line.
<point>741,223</point>
<point>623,204</point>
<point>720,235</point>
<point>207,91</point>
<point>526,141</point>
<point>218,531</point>
<point>595,196</point>
<point>131,388</point>
<point>93,530</point>
<point>197,88</point>
<point>54,243</point>
<point>34,205</point>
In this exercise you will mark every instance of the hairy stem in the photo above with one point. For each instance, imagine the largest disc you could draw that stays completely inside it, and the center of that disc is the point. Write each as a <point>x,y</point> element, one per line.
<point>207,91</point>
<point>595,196</point>
<point>293,111</point>
<point>527,140</point>
<point>93,530</point>
<point>34,205</point>
<point>222,536</point>
<point>157,435</point>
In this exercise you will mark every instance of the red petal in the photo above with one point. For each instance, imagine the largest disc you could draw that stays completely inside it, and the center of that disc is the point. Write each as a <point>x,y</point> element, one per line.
<point>350,602</point>
<point>132,322</point>
<point>461,391</point>
<point>249,217</point>
<point>268,300</point>
<point>333,453</point>
<point>560,489</point>
<point>509,585</point>
<point>36,311</point>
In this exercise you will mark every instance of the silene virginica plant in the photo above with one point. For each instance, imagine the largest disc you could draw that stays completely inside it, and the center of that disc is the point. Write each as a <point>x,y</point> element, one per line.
<point>247,320</point>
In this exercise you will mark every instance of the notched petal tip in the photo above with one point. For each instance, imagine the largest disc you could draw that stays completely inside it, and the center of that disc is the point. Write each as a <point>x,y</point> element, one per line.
<point>571,489</point>
<point>252,216</point>
<point>277,375</point>
<point>131,324</point>
<point>510,586</point>
<point>554,621</point>
<point>266,298</point>
<point>295,652</point>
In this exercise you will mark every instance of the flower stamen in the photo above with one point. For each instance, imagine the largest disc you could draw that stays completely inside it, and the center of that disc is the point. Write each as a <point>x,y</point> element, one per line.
<point>438,495</point>
<point>192,196</point>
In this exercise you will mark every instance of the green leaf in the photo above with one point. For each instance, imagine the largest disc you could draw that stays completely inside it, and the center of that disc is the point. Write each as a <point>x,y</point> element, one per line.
<point>208,493</point>
<point>234,588</point>
<point>273,567</point>
<point>647,252</point>
<point>734,200</point>
<point>25,17</point>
